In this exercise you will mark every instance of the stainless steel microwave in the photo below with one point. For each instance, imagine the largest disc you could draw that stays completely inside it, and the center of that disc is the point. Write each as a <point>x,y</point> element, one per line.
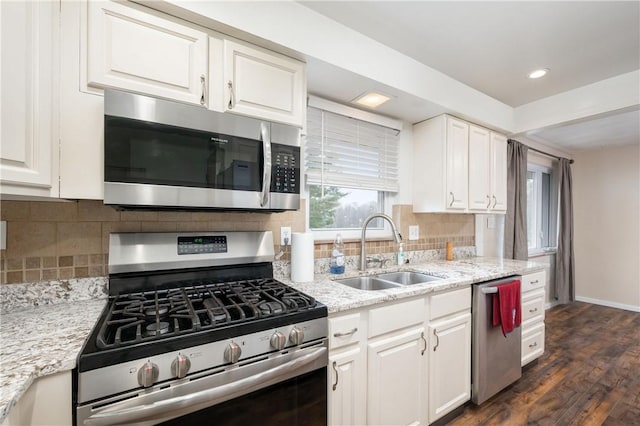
<point>161,154</point>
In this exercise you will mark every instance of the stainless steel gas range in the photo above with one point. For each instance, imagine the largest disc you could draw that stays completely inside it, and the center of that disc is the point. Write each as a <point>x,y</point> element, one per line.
<point>197,331</point>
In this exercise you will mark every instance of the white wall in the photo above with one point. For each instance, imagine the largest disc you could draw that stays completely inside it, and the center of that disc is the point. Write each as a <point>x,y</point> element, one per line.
<point>607,226</point>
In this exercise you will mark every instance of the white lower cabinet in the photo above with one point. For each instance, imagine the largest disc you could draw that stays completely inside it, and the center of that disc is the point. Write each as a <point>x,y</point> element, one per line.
<point>400,363</point>
<point>533,329</point>
<point>46,402</point>
<point>347,372</point>
<point>449,364</point>
<point>396,379</point>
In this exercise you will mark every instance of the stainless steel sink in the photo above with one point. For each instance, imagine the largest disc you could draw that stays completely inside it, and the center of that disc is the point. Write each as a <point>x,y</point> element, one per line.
<point>407,278</point>
<point>368,283</point>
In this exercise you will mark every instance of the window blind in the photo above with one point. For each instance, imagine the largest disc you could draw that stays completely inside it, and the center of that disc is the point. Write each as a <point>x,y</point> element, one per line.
<point>346,152</point>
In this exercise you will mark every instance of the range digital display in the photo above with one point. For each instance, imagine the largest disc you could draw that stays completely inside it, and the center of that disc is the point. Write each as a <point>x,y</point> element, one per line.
<point>202,244</point>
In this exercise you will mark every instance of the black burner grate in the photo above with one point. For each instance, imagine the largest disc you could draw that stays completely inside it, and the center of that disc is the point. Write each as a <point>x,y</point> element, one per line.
<point>195,306</point>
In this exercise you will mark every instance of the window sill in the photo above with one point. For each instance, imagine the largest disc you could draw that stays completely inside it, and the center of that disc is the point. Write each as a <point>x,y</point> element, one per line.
<point>533,253</point>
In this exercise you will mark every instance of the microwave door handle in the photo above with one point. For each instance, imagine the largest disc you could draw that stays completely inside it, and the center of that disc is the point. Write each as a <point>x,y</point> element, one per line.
<point>166,409</point>
<point>266,153</point>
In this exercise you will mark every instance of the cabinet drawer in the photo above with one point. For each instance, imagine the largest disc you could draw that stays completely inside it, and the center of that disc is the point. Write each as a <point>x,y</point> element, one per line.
<point>345,330</point>
<point>533,281</point>
<point>532,344</point>
<point>533,306</point>
<point>450,302</point>
<point>394,317</point>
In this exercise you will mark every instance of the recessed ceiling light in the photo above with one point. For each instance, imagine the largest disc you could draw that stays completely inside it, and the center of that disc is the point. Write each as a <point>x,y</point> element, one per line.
<point>539,73</point>
<point>371,99</point>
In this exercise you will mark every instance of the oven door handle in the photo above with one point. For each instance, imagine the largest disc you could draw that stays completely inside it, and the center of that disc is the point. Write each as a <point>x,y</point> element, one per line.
<point>174,407</point>
<point>266,154</point>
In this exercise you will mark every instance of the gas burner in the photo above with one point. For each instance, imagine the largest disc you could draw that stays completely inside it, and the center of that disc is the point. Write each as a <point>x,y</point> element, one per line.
<point>156,328</point>
<point>153,312</point>
<point>270,308</point>
<point>197,305</point>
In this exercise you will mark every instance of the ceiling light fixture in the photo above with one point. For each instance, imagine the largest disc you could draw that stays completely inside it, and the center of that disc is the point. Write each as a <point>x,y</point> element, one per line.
<point>371,99</point>
<point>539,73</point>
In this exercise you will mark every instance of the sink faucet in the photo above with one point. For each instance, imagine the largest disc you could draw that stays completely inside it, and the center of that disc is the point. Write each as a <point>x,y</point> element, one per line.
<point>396,236</point>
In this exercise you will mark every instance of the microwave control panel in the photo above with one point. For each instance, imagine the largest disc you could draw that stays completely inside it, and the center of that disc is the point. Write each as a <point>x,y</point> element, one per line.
<point>285,169</point>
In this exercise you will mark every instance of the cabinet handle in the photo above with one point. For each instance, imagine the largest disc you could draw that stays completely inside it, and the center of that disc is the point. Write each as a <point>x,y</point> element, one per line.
<point>335,385</point>
<point>533,310</point>
<point>495,201</point>
<point>452,199</point>
<point>489,204</point>
<point>435,333</point>
<point>533,282</point>
<point>533,345</point>
<point>232,97</point>
<point>345,334</point>
<point>425,343</point>
<point>203,95</point>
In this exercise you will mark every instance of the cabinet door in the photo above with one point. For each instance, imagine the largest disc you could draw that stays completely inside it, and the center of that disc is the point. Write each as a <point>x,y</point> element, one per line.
<point>28,152</point>
<point>347,387</point>
<point>449,365</point>
<point>133,48</point>
<point>457,164</point>
<point>396,383</point>
<point>264,84</point>
<point>498,173</point>
<point>479,169</point>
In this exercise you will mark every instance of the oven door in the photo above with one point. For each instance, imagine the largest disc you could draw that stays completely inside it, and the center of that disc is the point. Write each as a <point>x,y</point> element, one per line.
<point>289,388</point>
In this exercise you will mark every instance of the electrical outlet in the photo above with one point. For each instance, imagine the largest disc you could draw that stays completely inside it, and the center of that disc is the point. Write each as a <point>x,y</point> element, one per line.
<point>414,232</point>
<point>285,234</point>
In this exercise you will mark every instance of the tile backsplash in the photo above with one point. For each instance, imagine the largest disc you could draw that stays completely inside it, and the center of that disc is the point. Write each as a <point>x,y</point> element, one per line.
<point>63,240</point>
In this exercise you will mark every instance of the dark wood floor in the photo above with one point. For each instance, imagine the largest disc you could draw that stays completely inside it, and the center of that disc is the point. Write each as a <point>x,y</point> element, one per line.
<point>589,374</point>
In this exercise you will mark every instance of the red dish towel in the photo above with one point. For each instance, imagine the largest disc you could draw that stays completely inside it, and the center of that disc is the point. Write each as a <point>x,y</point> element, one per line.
<point>506,307</point>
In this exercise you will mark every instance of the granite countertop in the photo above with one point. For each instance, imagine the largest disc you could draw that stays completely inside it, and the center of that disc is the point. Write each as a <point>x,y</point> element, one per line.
<point>42,340</point>
<point>454,274</point>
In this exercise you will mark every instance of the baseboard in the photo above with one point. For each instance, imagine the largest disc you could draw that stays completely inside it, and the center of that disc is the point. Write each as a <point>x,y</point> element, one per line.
<point>551,305</point>
<point>608,303</point>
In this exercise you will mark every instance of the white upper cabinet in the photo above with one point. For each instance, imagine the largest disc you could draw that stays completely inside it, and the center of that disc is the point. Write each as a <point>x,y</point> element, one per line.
<point>479,168</point>
<point>133,48</point>
<point>487,171</point>
<point>441,165</point>
<point>28,120</point>
<point>458,167</point>
<point>498,173</point>
<point>263,84</point>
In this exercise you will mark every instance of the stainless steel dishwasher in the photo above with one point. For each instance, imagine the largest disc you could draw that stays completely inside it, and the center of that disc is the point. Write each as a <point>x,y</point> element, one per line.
<point>495,362</point>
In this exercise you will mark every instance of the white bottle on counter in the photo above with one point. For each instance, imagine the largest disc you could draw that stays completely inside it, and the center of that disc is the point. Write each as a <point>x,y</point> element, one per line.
<point>337,256</point>
<point>400,254</point>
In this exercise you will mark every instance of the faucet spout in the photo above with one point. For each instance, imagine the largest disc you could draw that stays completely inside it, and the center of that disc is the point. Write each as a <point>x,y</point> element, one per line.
<point>396,236</point>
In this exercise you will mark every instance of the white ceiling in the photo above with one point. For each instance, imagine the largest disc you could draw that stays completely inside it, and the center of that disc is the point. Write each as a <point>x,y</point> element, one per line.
<point>491,47</point>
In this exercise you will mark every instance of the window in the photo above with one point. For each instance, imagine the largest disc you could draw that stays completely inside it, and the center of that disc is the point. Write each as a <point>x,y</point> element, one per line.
<point>541,208</point>
<point>350,167</point>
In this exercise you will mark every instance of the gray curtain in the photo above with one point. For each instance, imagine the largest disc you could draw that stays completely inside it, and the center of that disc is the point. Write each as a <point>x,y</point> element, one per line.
<point>565,267</point>
<point>515,223</point>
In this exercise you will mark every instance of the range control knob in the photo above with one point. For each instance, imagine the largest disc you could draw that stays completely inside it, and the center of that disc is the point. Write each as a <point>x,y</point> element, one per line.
<point>180,366</point>
<point>296,336</point>
<point>148,374</point>
<point>278,340</point>
<point>232,353</point>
